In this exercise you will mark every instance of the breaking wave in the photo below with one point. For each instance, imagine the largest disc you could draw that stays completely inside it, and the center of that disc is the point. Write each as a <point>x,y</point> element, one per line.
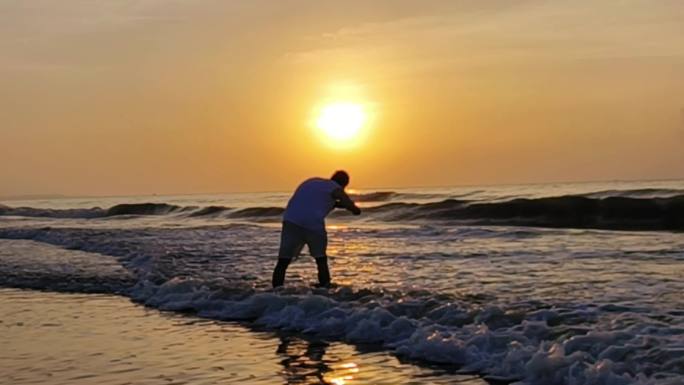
<point>144,209</point>
<point>258,212</point>
<point>638,193</point>
<point>571,211</point>
<point>387,196</point>
<point>567,211</point>
<point>377,196</point>
<point>94,212</point>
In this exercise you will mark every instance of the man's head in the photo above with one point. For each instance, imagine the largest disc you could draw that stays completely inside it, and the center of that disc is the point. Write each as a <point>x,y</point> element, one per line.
<point>341,177</point>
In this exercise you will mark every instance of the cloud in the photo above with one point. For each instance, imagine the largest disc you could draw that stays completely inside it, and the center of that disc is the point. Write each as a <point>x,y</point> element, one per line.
<point>528,30</point>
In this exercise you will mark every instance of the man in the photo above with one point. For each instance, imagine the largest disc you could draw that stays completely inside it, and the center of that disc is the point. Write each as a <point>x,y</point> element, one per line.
<point>304,223</point>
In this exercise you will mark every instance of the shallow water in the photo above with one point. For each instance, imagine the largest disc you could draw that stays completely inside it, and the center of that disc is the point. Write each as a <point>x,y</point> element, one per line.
<point>84,339</point>
<point>538,305</point>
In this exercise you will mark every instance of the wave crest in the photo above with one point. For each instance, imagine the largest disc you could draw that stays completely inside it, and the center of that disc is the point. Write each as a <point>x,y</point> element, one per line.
<point>142,209</point>
<point>258,212</point>
<point>94,212</point>
<point>566,211</point>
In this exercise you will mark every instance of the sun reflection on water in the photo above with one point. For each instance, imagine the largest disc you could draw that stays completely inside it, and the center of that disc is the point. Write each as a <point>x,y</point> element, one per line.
<point>342,374</point>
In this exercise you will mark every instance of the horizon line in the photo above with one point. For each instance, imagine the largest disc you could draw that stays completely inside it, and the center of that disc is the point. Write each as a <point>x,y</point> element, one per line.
<point>28,197</point>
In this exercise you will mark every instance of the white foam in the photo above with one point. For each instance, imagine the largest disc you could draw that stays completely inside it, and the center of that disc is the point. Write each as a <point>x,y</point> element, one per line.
<point>522,352</point>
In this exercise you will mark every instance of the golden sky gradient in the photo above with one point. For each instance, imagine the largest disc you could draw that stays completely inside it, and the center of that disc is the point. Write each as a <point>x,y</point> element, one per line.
<point>162,96</point>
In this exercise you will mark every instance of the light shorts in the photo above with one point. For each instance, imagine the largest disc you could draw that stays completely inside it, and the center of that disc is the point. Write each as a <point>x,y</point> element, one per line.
<point>293,238</point>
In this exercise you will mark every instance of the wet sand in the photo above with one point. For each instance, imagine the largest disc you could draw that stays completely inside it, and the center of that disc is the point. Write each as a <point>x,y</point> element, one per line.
<point>55,338</point>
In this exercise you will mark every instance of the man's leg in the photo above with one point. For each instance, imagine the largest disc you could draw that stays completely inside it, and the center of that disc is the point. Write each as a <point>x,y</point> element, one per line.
<point>318,244</point>
<point>279,272</point>
<point>292,241</point>
<point>323,272</point>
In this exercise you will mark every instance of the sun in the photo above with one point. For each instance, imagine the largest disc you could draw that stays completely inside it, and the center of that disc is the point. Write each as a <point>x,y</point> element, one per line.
<point>341,123</point>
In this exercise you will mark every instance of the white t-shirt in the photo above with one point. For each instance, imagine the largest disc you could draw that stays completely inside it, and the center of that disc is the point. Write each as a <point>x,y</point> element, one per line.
<point>311,203</point>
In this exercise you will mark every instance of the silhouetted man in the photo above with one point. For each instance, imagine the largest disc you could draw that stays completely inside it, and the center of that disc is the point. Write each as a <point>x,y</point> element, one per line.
<point>304,223</point>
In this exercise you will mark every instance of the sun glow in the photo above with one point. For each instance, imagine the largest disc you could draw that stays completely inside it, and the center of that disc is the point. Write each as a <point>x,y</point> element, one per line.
<point>341,124</point>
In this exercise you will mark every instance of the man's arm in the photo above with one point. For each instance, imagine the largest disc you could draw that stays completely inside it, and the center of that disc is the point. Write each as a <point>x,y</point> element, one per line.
<point>342,200</point>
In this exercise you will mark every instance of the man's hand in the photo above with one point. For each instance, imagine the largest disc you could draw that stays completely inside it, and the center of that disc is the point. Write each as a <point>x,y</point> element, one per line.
<point>342,200</point>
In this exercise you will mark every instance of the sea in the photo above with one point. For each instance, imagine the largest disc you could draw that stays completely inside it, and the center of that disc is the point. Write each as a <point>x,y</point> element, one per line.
<point>549,284</point>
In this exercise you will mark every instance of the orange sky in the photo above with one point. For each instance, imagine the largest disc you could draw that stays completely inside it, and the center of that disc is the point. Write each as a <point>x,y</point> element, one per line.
<point>152,96</point>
